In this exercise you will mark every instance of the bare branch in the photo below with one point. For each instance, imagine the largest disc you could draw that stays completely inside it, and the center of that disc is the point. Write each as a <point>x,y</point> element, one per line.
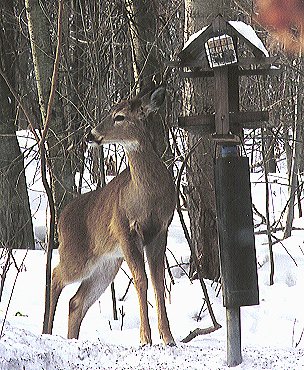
<point>198,331</point>
<point>55,72</point>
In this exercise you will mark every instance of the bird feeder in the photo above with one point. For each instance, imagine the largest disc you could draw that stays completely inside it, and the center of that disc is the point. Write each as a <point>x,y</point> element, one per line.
<point>213,52</point>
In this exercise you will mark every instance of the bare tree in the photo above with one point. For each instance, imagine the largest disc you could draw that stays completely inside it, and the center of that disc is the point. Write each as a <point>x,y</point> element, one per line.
<point>297,150</point>
<point>200,189</point>
<point>16,229</point>
<point>39,26</point>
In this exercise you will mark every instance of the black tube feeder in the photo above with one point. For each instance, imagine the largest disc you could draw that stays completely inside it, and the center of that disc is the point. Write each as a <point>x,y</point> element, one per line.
<point>236,232</point>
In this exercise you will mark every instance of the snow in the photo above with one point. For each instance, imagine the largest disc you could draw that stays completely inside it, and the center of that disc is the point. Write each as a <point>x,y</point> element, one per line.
<point>271,331</point>
<point>249,33</point>
<point>37,352</point>
<point>193,37</point>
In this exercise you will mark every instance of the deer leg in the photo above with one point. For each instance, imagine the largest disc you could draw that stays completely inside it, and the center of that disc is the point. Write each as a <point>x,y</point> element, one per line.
<point>156,259</point>
<point>56,288</point>
<point>89,291</point>
<point>134,257</point>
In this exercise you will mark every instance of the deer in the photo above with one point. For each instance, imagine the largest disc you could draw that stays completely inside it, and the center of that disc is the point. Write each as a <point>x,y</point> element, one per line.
<point>127,219</point>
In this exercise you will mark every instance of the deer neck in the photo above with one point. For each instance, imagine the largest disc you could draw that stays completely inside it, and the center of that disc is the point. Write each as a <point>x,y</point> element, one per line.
<point>146,168</point>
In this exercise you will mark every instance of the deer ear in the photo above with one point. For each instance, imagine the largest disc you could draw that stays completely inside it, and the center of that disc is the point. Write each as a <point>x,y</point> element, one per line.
<point>156,99</point>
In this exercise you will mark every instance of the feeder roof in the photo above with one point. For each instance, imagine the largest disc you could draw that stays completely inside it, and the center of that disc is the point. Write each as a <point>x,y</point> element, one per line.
<point>194,47</point>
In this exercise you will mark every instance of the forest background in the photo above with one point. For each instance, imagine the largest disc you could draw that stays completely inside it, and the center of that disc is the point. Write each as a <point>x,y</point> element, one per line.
<point>64,63</point>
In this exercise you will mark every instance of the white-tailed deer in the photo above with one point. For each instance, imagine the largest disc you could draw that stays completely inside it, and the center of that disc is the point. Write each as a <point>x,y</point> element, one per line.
<point>130,216</point>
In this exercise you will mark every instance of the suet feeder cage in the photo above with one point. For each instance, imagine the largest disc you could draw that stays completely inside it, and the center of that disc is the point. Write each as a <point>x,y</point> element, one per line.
<point>220,51</point>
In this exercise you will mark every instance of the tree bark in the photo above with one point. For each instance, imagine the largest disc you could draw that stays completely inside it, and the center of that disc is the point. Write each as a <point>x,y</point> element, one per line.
<point>147,62</point>
<point>57,136</point>
<point>198,98</point>
<point>16,228</point>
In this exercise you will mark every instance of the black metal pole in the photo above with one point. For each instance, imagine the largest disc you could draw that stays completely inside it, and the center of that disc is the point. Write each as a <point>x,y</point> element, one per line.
<point>233,314</point>
<point>234,345</point>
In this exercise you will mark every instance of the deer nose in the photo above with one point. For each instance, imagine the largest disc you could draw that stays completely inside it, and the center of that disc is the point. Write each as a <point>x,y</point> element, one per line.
<point>93,137</point>
<point>89,137</point>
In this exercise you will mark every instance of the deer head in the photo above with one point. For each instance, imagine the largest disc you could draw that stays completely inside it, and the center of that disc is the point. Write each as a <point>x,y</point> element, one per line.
<point>126,124</point>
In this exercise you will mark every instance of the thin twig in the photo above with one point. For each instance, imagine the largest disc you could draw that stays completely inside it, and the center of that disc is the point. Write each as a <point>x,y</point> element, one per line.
<point>300,338</point>
<point>115,316</point>
<point>280,241</point>
<point>270,242</point>
<point>11,295</point>
<point>5,269</point>
<point>179,264</point>
<point>169,271</point>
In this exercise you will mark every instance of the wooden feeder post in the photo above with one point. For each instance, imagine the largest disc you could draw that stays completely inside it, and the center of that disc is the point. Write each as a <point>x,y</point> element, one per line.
<point>222,129</point>
<point>213,53</point>
<point>221,103</point>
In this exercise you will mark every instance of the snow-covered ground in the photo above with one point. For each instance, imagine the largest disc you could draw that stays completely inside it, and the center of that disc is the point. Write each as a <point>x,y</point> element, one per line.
<point>271,332</point>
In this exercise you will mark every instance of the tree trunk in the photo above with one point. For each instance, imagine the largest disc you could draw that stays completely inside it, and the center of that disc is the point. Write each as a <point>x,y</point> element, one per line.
<point>198,98</point>
<point>147,65</point>
<point>75,65</point>
<point>296,156</point>
<point>16,228</point>
<point>57,137</point>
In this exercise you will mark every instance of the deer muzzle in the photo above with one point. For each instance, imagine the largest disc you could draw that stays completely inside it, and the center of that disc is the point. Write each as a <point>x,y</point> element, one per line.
<point>94,138</point>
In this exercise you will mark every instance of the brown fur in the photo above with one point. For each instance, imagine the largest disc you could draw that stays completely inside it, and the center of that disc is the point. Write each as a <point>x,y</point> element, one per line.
<point>125,218</point>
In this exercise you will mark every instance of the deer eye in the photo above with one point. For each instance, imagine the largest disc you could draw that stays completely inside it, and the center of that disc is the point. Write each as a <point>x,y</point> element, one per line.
<point>119,118</point>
